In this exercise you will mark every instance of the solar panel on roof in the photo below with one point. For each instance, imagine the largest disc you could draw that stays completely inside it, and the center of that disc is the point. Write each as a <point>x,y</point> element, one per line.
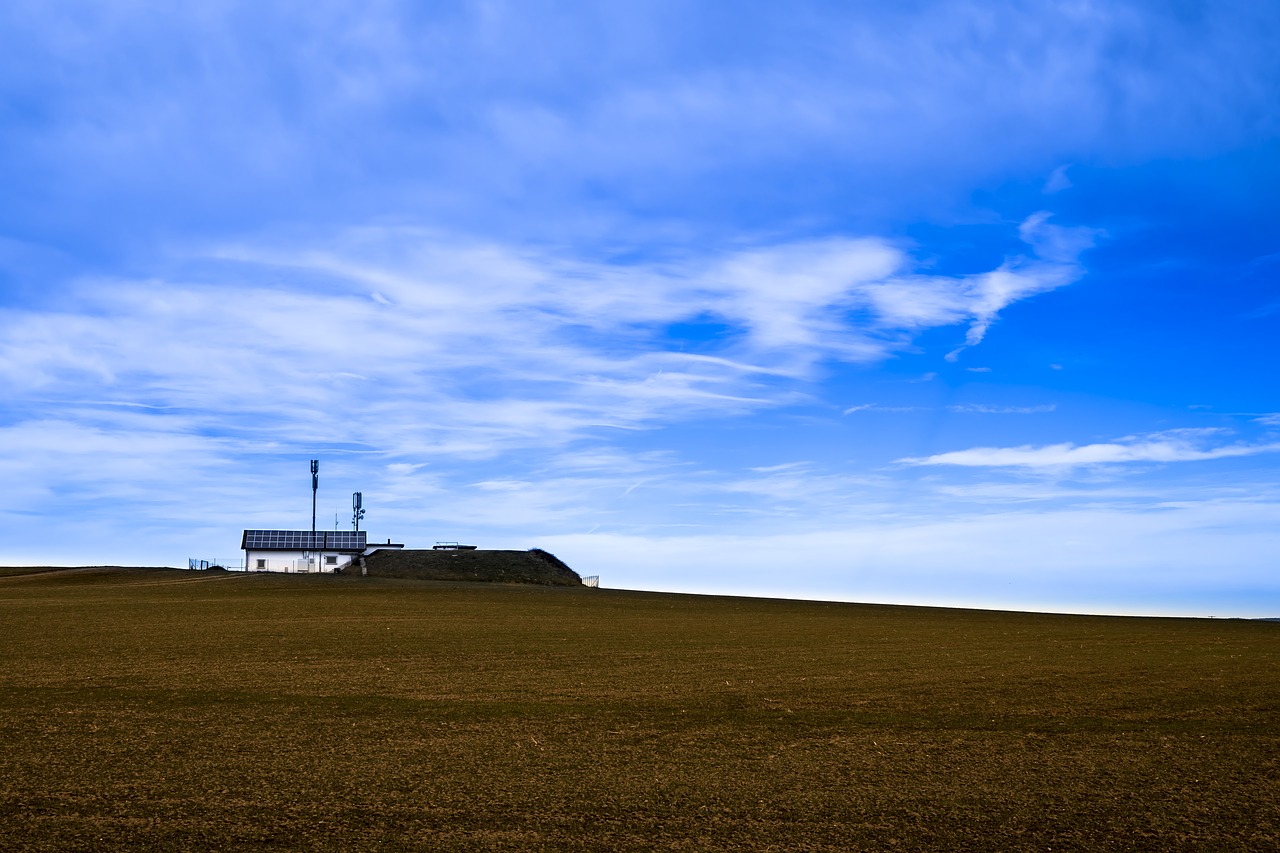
<point>301,540</point>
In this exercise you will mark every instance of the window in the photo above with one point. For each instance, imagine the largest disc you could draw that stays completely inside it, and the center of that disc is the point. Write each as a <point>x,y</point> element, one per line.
<point>262,564</point>
<point>330,560</point>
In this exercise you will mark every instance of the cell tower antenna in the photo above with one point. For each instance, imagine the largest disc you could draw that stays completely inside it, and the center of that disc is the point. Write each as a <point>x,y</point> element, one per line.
<point>357,510</point>
<point>315,484</point>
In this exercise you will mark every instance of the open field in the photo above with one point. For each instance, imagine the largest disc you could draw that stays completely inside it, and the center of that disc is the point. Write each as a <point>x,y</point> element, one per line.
<point>189,710</point>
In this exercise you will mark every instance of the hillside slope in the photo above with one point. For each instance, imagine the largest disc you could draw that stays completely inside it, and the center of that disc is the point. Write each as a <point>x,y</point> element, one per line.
<point>534,566</point>
<point>262,711</point>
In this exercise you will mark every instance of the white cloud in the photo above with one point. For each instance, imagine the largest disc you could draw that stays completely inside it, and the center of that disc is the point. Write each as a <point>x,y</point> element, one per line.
<point>474,347</point>
<point>876,407</point>
<point>784,467</point>
<point>1055,263</point>
<point>1058,181</point>
<point>985,409</point>
<point>412,361</point>
<point>444,115</point>
<point>967,408</point>
<point>1178,446</point>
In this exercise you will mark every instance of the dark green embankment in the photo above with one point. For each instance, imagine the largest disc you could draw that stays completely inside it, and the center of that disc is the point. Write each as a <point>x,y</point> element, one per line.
<point>534,566</point>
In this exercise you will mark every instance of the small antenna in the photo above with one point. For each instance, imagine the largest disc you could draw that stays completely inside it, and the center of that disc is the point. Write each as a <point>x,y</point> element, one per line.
<point>357,510</point>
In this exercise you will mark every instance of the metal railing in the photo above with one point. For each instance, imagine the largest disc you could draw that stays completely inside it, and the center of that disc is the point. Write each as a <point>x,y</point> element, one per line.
<point>198,564</point>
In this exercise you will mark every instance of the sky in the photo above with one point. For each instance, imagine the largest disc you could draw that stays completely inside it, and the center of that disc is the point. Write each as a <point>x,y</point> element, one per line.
<point>970,304</point>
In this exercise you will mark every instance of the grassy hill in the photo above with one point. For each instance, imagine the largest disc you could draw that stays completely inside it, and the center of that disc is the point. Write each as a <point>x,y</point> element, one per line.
<point>220,710</point>
<point>534,566</point>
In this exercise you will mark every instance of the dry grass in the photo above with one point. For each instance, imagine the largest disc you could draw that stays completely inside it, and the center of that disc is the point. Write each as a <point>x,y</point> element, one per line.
<point>191,711</point>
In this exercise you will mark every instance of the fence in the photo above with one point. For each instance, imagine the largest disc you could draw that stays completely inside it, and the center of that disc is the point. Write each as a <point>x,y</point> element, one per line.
<point>197,564</point>
<point>592,581</point>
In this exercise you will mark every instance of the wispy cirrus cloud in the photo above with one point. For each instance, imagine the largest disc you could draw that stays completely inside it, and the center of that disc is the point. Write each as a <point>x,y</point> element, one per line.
<point>876,407</point>
<point>411,356</point>
<point>965,408</point>
<point>442,115</point>
<point>433,344</point>
<point>1055,263</point>
<point>987,409</point>
<point>1189,445</point>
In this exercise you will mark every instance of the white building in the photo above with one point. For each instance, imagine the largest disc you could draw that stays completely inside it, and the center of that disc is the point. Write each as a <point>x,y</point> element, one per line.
<point>304,551</point>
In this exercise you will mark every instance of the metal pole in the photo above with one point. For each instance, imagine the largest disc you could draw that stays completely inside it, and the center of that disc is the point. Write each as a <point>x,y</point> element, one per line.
<point>315,484</point>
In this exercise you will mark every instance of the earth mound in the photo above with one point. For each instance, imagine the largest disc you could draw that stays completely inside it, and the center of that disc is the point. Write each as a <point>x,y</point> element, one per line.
<point>534,566</point>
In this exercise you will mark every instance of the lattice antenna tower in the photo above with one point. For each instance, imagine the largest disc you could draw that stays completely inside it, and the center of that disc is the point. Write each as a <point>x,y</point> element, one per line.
<point>357,510</point>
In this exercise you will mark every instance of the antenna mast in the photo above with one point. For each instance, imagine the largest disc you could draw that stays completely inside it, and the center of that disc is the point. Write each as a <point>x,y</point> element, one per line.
<point>315,484</point>
<point>357,510</point>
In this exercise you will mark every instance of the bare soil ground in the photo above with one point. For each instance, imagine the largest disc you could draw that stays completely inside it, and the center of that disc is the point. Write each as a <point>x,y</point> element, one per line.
<point>173,710</point>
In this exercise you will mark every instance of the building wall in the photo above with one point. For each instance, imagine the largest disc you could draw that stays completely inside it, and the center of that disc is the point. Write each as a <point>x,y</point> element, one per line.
<point>294,562</point>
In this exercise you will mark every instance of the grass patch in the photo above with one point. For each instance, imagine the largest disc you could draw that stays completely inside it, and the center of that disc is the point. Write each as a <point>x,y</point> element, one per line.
<point>533,566</point>
<point>183,710</point>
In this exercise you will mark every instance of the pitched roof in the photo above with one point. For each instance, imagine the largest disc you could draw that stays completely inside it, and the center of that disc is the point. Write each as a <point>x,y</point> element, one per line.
<point>301,540</point>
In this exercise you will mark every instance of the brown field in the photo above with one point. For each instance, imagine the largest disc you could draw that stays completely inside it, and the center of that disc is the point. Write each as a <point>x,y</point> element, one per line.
<point>191,711</point>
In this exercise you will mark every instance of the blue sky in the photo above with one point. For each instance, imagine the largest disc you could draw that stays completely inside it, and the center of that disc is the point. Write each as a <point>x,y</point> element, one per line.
<point>953,303</point>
